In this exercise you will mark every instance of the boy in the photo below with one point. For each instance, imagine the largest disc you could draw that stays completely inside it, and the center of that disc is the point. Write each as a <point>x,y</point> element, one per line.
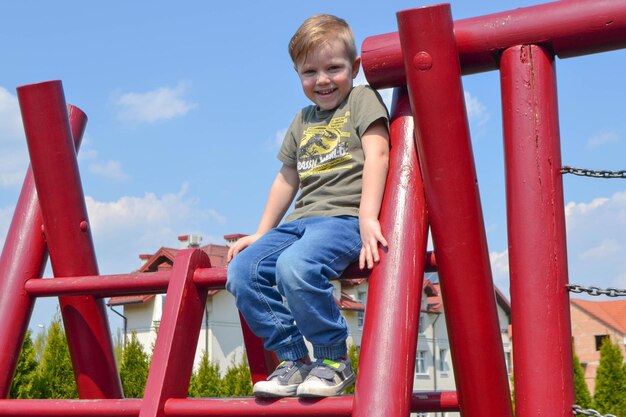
<point>336,152</point>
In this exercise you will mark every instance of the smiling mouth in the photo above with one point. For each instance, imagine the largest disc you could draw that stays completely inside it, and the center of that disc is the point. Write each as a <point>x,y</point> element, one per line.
<point>324,93</point>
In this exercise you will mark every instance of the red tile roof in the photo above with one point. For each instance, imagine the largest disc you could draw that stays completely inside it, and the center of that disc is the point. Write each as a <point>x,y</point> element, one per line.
<point>130,299</point>
<point>164,259</point>
<point>611,313</point>
<point>347,303</point>
<point>234,236</point>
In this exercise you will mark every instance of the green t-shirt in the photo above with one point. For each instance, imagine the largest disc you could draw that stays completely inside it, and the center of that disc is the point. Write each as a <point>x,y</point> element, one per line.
<point>325,147</point>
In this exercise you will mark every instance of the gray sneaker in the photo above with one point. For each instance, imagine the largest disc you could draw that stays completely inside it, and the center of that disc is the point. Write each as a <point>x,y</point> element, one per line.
<point>327,378</point>
<point>284,381</point>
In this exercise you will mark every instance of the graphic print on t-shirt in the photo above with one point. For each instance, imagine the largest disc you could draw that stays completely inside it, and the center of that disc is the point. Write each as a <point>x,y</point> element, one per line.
<point>322,149</point>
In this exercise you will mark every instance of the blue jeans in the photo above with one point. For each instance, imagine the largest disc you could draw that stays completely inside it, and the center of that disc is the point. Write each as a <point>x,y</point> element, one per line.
<point>296,260</point>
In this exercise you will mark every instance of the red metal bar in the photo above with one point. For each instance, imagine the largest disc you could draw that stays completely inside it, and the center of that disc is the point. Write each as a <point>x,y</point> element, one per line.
<point>175,347</point>
<point>70,408</point>
<point>395,284</point>
<point>24,256</point>
<point>457,226</point>
<point>100,285</point>
<point>53,160</point>
<point>150,282</point>
<point>445,401</point>
<point>536,230</point>
<point>570,28</point>
<point>261,361</point>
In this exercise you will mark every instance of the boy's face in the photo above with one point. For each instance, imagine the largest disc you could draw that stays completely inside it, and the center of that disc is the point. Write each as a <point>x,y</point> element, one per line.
<point>326,74</point>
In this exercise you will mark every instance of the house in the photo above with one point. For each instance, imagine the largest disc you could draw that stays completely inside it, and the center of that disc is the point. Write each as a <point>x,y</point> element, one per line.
<point>592,322</point>
<point>221,336</point>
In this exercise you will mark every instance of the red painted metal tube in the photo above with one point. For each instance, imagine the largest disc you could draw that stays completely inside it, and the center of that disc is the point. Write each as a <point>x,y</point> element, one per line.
<point>536,230</point>
<point>445,401</point>
<point>70,408</point>
<point>24,257</point>
<point>174,351</point>
<point>101,285</point>
<point>455,214</point>
<point>570,28</point>
<point>262,362</point>
<point>66,224</point>
<point>395,284</point>
<point>148,282</point>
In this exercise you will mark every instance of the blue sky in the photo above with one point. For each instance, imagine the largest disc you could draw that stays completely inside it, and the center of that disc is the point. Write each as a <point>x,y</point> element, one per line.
<point>187,103</point>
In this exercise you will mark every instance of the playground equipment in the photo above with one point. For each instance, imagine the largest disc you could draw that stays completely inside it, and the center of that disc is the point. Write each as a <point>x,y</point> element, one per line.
<point>428,55</point>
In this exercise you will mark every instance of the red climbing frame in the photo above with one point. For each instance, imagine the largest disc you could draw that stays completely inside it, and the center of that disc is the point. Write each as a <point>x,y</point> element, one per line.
<point>428,55</point>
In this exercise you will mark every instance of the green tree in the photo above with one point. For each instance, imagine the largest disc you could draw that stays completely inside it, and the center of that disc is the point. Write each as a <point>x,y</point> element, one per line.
<point>25,371</point>
<point>134,368</point>
<point>55,377</point>
<point>353,354</point>
<point>237,381</point>
<point>206,382</point>
<point>610,392</point>
<point>118,349</point>
<point>581,390</point>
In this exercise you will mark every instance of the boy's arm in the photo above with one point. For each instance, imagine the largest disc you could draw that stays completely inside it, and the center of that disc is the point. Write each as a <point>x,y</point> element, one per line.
<point>282,192</point>
<point>375,142</point>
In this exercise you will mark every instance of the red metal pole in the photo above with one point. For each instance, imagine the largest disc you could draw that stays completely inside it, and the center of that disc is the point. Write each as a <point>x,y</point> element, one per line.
<point>24,256</point>
<point>261,362</point>
<point>536,230</point>
<point>451,190</point>
<point>175,347</point>
<point>571,28</point>
<point>66,226</point>
<point>395,284</point>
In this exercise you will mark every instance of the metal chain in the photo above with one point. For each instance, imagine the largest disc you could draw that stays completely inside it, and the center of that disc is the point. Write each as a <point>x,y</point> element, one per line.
<point>583,172</point>
<point>578,410</point>
<point>595,291</point>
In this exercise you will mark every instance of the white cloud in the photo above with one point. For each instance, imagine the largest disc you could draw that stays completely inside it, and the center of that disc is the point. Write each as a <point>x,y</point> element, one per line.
<point>476,111</point>
<point>160,104</point>
<point>131,225</point>
<point>500,265</point>
<point>6,215</point>
<point>13,153</point>
<point>11,128</point>
<point>110,169</point>
<point>596,240</point>
<point>575,211</point>
<point>13,165</point>
<point>602,138</point>
<point>279,136</point>
<point>606,248</point>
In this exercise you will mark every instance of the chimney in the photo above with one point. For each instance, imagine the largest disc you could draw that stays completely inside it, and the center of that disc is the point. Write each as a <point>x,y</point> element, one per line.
<point>230,239</point>
<point>144,258</point>
<point>190,241</point>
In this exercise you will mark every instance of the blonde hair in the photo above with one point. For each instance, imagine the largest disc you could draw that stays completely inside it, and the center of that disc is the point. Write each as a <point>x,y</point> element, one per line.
<point>318,30</point>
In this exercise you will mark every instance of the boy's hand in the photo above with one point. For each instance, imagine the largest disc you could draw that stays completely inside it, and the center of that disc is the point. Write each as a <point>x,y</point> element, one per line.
<point>371,236</point>
<point>240,245</point>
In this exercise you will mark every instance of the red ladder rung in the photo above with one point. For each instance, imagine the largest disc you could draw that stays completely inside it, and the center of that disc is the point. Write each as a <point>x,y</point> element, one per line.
<point>151,282</point>
<point>444,401</point>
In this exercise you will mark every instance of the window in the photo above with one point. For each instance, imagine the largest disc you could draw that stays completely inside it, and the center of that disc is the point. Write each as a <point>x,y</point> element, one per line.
<point>361,297</point>
<point>443,360</point>
<point>423,323</point>
<point>509,362</point>
<point>420,362</point>
<point>599,339</point>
